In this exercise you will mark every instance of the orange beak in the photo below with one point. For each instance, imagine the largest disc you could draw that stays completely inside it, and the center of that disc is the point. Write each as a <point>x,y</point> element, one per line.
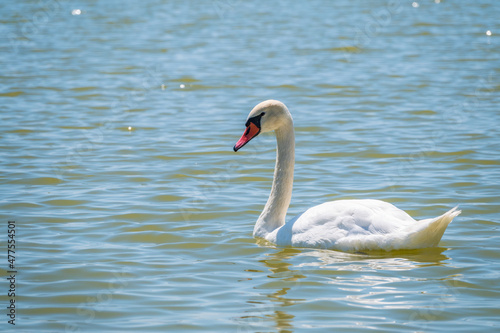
<point>250,133</point>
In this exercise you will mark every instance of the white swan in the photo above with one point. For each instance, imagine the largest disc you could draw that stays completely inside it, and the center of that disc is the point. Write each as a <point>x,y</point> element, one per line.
<point>348,225</point>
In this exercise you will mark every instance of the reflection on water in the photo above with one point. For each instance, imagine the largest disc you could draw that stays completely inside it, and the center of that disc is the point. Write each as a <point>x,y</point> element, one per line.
<point>379,260</point>
<point>273,304</point>
<point>366,280</point>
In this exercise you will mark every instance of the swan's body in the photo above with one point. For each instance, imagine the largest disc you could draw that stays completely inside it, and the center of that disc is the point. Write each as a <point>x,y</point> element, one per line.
<point>349,225</point>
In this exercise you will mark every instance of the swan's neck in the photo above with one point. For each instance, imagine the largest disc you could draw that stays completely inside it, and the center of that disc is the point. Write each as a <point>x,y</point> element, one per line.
<point>274,213</point>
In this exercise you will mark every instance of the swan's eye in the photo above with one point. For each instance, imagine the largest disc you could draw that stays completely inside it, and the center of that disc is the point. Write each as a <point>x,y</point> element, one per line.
<point>255,120</point>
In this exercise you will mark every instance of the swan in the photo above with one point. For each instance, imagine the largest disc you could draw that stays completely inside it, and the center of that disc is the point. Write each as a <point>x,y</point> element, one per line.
<point>346,225</point>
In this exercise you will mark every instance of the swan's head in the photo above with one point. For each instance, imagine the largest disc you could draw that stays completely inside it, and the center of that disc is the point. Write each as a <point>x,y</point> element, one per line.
<point>267,116</point>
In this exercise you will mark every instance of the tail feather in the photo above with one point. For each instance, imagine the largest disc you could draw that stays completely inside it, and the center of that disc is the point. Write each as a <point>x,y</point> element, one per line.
<point>428,232</point>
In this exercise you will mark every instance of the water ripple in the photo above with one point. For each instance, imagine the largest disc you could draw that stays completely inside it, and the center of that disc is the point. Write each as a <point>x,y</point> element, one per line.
<point>134,214</point>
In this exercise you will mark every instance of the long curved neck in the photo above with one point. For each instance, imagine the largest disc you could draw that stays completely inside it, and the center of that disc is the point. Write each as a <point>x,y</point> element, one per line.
<point>274,213</point>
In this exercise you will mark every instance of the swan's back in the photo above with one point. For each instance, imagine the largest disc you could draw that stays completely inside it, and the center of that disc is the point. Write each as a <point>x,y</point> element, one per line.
<point>355,225</point>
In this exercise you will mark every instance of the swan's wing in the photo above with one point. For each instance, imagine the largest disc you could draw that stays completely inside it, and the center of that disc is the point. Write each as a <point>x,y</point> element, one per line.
<point>346,224</point>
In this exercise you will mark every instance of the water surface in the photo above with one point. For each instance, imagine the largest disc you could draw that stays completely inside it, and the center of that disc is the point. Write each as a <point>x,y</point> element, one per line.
<point>133,213</point>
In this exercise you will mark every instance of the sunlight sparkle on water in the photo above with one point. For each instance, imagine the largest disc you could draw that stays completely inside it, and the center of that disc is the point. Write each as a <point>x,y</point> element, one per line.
<point>76,12</point>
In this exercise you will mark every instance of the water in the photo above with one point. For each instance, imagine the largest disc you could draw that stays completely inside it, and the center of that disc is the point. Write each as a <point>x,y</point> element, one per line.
<point>133,213</point>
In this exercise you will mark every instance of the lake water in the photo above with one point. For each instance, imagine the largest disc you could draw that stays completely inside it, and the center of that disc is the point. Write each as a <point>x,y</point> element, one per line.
<point>132,212</point>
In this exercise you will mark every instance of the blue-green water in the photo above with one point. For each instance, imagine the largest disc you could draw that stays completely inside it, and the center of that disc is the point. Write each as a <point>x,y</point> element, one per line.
<point>133,214</point>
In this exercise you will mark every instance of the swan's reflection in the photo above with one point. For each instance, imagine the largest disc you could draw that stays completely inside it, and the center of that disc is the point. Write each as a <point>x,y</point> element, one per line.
<point>293,276</point>
<point>379,260</point>
<point>271,304</point>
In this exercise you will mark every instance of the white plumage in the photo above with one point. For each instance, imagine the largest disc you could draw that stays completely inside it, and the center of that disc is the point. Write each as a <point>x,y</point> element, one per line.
<point>348,225</point>
<point>356,225</point>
